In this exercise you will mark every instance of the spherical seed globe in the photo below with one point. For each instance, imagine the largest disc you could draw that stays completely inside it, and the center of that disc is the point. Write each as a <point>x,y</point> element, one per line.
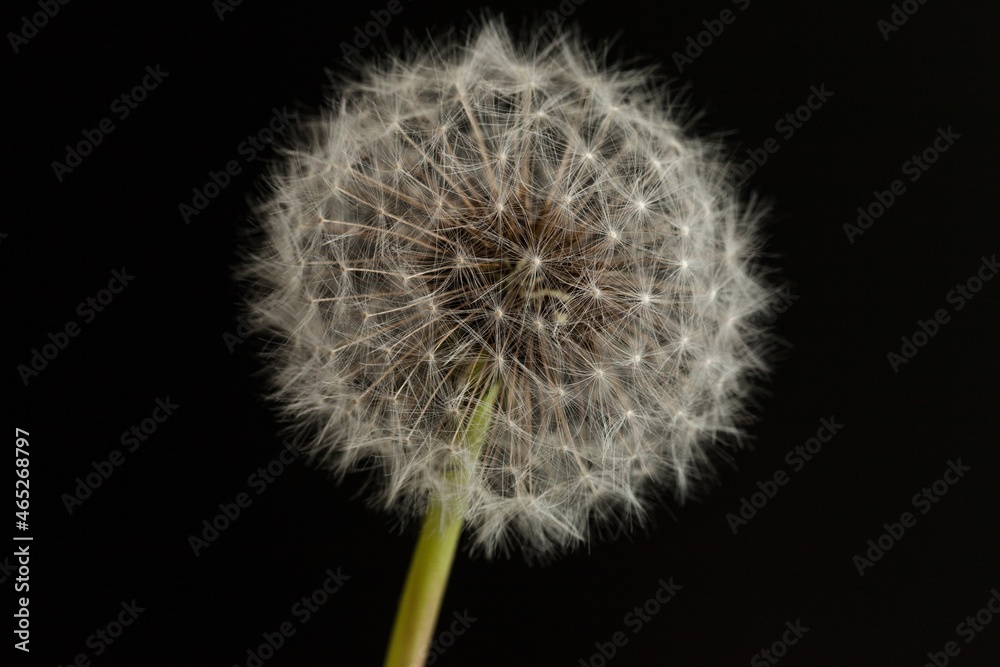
<point>484,214</point>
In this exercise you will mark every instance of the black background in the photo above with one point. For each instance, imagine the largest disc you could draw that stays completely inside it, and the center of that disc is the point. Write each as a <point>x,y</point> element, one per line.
<point>163,336</point>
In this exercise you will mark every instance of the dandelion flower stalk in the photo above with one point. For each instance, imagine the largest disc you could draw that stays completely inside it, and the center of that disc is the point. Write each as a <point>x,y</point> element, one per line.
<point>420,603</point>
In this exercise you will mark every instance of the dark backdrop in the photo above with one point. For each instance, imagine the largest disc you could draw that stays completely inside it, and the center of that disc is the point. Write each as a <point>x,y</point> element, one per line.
<point>171,335</point>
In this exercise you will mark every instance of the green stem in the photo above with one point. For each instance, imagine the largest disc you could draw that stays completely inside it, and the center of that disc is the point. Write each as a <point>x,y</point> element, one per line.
<point>427,578</point>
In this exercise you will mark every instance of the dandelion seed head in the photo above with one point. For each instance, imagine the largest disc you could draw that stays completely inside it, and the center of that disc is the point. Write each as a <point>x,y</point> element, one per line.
<point>524,210</point>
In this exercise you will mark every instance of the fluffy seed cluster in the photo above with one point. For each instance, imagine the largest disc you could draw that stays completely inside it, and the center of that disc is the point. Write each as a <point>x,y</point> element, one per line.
<point>484,214</point>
